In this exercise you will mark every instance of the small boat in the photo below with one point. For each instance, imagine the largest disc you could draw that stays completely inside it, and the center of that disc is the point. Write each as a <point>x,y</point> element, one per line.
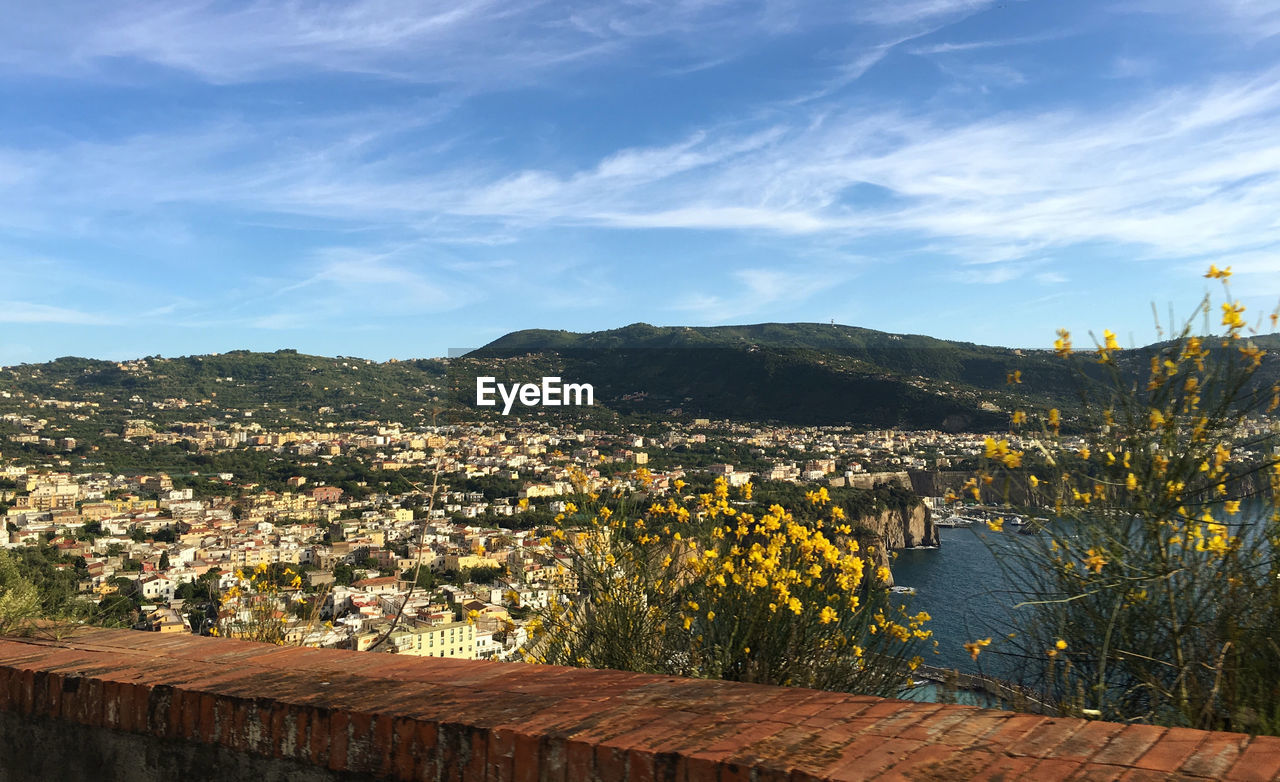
<point>902,590</point>
<point>953,521</point>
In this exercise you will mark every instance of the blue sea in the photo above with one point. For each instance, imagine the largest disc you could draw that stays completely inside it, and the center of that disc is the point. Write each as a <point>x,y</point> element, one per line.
<point>963,589</point>
<point>967,593</point>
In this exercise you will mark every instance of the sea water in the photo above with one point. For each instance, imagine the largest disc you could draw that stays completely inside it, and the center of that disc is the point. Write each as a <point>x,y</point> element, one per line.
<point>969,597</point>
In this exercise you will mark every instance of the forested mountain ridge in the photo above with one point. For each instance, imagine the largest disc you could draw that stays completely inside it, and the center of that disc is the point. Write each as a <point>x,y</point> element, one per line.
<point>794,373</point>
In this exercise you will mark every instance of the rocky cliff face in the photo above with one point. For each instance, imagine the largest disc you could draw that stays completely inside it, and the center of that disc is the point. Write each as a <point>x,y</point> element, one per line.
<point>905,527</point>
<point>897,528</point>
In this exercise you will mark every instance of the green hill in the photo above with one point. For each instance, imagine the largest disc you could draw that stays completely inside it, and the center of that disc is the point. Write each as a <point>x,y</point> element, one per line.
<point>801,373</point>
<point>280,387</point>
<point>794,373</point>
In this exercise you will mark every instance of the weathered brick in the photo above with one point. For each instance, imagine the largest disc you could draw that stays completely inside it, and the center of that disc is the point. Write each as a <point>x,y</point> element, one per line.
<point>1171,751</point>
<point>870,755</point>
<point>338,740</point>
<point>1045,737</point>
<point>1007,769</point>
<point>1011,731</point>
<point>1086,742</point>
<point>1215,755</point>
<point>1260,761</point>
<point>930,761</point>
<point>528,759</point>
<point>1128,745</point>
<point>411,719</point>
<point>1099,772</point>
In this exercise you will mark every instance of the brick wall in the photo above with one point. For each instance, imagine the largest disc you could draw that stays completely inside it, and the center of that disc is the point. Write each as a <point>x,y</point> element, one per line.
<point>113,704</point>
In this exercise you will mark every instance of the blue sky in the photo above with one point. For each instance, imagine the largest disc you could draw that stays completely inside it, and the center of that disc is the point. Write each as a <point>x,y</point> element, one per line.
<point>394,179</point>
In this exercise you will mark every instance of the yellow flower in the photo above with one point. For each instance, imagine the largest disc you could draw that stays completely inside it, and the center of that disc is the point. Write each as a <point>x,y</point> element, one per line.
<point>1109,337</point>
<point>1019,417</point>
<point>1156,419</point>
<point>1215,273</point>
<point>1061,644</point>
<point>1231,315</point>
<point>1014,377</point>
<point>1095,561</point>
<point>1033,480</point>
<point>1085,453</point>
<point>1254,353</point>
<point>1055,419</point>
<point>828,615</point>
<point>883,573</point>
<point>996,524</point>
<point>1062,345</point>
<point>1232,506</point>
<point>974,648</point>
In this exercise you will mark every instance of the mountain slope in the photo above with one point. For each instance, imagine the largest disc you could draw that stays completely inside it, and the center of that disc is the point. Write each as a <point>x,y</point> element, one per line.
<point>805,373</point>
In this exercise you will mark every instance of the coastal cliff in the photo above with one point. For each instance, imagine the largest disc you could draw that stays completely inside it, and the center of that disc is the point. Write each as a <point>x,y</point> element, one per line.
<point>907,526</point>
<point>899,525</point>
<point>899,518</point>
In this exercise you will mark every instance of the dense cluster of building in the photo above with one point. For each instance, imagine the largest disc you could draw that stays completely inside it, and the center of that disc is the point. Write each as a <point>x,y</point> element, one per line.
<point>360,561</point>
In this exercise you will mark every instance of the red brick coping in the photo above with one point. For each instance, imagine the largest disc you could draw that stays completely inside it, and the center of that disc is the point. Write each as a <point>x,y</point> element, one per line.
<point>409,718</point>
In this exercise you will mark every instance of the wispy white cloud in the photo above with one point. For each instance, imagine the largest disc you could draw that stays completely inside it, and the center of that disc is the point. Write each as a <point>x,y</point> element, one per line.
<point>342,282</point>
<point>474,43</point>
<point>1250,21</point>
<point>30,312</point>
<point>1194,169</point>
<point>1190,170</point>
<point>952,47</point>
<point>915,11</point>
<point>759,290</point>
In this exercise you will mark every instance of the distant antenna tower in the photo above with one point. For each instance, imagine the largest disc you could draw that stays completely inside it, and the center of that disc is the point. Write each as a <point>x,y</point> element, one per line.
<point>833,321</point>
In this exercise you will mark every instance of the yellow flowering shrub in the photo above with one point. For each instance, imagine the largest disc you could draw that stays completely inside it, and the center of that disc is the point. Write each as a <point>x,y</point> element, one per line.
<point>1154,594</point>
<point>256,607</point>
<point>700,587</point>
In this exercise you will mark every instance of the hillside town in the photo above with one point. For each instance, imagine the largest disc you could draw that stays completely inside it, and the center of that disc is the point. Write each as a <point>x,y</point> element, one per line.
<point>455,573</point>
<point>438,544</point>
